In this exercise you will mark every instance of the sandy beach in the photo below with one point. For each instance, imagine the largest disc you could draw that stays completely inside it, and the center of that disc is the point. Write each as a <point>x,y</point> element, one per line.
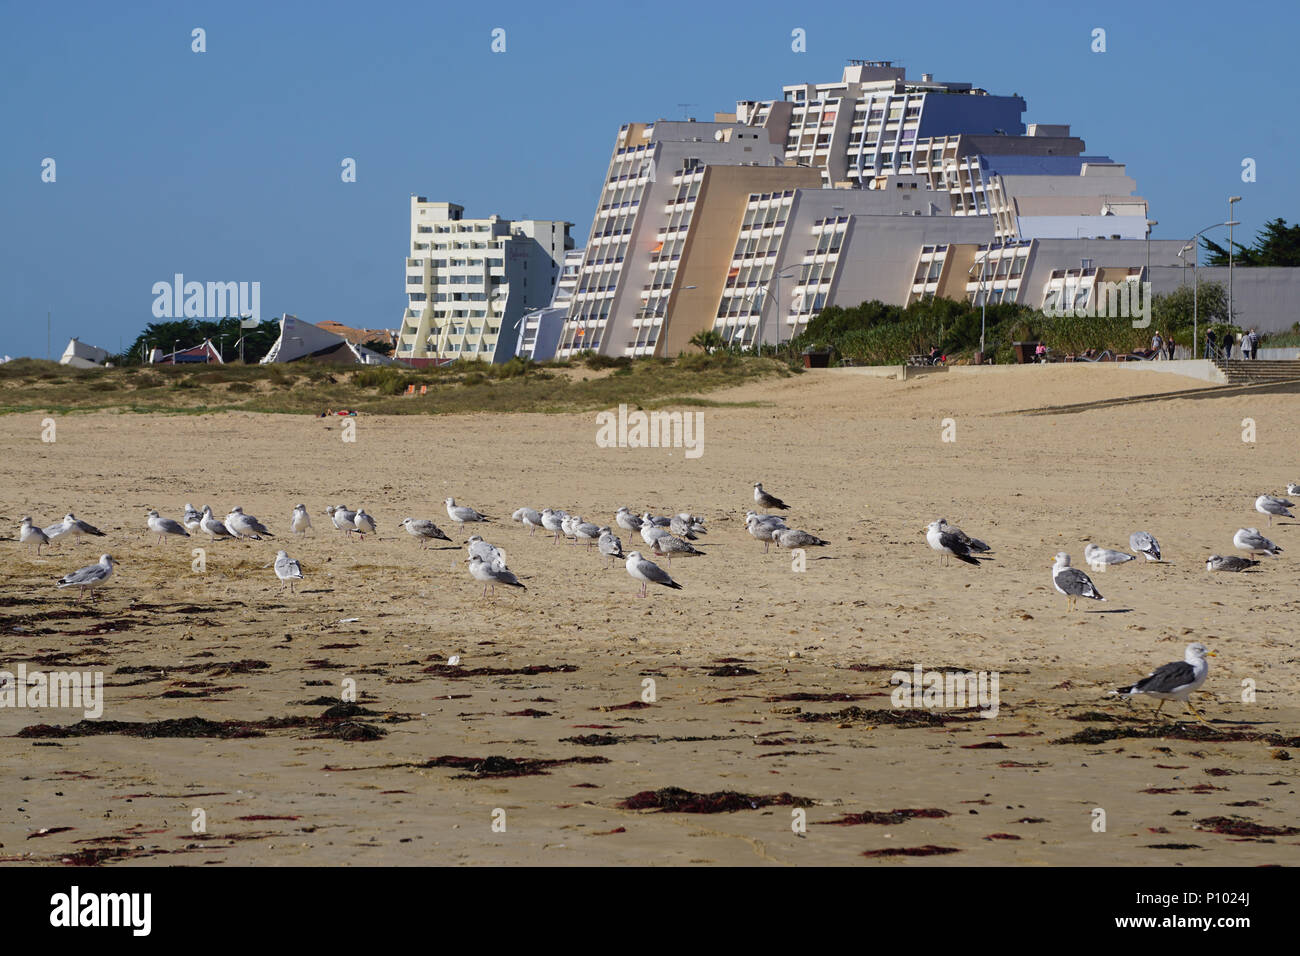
<point>767,681</point>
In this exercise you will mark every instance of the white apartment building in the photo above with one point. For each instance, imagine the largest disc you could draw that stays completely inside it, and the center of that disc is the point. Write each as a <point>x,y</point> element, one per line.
<point>542,326</point>
<point>470,281</point>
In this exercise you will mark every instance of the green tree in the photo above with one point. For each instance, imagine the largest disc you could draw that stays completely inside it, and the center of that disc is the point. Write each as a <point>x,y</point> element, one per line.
<point>708,340</point>
<point>187,333</point>
<point>1277,244</point>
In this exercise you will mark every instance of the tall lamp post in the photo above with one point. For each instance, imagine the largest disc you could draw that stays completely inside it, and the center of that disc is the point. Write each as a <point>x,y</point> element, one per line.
<point>1150,223</point>
<point>775,281</point>
<point>983,299</point>
<point>1231,223</point>
<point>1196,279</point>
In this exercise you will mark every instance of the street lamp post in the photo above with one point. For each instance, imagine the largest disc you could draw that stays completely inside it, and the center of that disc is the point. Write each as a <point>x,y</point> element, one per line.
<point>1231,223</point>
<point>775,281</point>
<point>1194,245</point>
<point>1150,223</point>
<point>983,299</point>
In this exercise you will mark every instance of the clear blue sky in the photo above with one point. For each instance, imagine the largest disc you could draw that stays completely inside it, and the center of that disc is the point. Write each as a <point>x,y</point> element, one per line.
<point>225,165</point>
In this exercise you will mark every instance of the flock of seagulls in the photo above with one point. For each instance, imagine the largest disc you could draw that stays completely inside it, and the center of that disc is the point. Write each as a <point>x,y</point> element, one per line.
<point>669,536</point>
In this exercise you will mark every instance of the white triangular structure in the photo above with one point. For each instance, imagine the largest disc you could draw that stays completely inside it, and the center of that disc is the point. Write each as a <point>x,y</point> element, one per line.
<point>300,340</point>
<point>80,355</point>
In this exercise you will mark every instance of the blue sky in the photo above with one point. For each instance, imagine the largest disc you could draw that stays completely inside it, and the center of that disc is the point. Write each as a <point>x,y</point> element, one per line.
<point>225,165</point>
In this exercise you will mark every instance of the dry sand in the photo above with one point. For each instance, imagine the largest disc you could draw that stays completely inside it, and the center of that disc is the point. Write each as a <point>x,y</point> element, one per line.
<point>862,462</point>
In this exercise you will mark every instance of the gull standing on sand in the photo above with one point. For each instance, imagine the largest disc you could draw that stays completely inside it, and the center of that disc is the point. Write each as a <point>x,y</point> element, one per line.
<point>973,544</point>
<point>191,518</point>
<point>1098,557</point>
<point>666,544</point>
<point>28,532</point>
<point>342,518</point>
<point>948,543</point>
<point>789,538</point>
<point>1072,582</point>
<point>1230,563</point>
<point>1252,542</point>
<point>91,576</point>
<point>71,525</point>
<point>424,529</point>
<point>773,520</point>
<point>650,531</point>
<point>1175,680</point>
<point>761,531</point>
<point>1272,505</point>
<point>492,574</point>
<point>648,573</point>
<point>213,528</point>
<point>585,532</point>
<point>363,523</point>
<point>164,526</point>
<point>489,553</point>
<point>300,521</point>
<point>286,569</point>
<point>245,526</point>
<point>768,501</point>
<point>626,520</point>
<point>460,513</point>
<point>610,545</point>
<point>529,517</point>
<point>553,521</point>
<point>1293,489</point>
<point>1140,542</point>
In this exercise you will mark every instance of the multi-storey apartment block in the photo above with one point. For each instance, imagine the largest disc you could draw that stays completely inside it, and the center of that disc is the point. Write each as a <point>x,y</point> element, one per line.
<point>470,281</point>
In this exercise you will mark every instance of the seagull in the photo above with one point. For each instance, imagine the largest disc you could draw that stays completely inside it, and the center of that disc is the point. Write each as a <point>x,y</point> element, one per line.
<point>626,520</point>
<point>1230,563</point>
<point>73,526</point>
<point>650,531</point>
<point>763,532</point>
<point>1272,505</point>
<point>57,530</point>
<point>191,518</point>
<point>299,521</point>
<point>491,574</point>
<point>245,526</point>
<point>648,573</point>
<point>489,553</point>
<point>1293,489</point>
<point>768,501</point>
<point>793,538</point>
<point>948,543</point>
<point>342,519</point>
<point>424,529</point>
<point>585,531</point>
<point>610,545</point>
<point>773,520</point>
<point>286,569</point>
<point>164,526</point>
<point>1252,542</point>
<point>683,527</point>
<point>363,523</point>
<point>553,521</point>
<point>667,544</point>
<point>91,576</point>
<point>1098,558</point>
<point>213,528</point>
<point>28,532</point>
<point>1175,680</point>
<point>460,514</point>
<point>974,544</point>
<point>695,522</point>
<point>533,519</point>
<point>1142,543</point>
<point>659,521</point>
<point>1072,582</point>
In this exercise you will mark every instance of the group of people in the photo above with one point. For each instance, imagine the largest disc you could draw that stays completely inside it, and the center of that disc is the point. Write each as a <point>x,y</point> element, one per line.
<point>1160,347</point>
<point>1248,342</point>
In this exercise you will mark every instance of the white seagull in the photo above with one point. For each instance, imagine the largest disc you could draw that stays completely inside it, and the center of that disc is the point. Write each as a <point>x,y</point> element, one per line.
<point>610,545</point>
<point>212,527</point>
<point>191,518</point>
<point>363,523</point>
<point>1144,544</point>
<point>1072,582</point>
<point>28,532</point>
<point>553,521</point>
<point>245,526</point>
<point>648,573</point>
<point>1175,680</point>
<point>342,519</point>
<point>650,531</point>
<point>530,517</point>
<point>300,521</point>
<point>460,513</point>
<point>626,520</point>
<point>91,576</point>
<point>1098,557</point>
<point>492,574</point>
<point>286,569</point>
<point>760,531</point>
<point>1252,542</point>
<point>1272,505</point>
<point>948,543</point>
<point>164,526</point>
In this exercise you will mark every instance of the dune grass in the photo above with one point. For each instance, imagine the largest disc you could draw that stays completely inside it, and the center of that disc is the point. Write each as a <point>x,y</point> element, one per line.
<point>31,385</point>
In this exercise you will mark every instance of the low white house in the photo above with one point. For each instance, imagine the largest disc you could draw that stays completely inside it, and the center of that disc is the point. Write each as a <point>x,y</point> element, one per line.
<point>302,340</point>
<point>80,355</point>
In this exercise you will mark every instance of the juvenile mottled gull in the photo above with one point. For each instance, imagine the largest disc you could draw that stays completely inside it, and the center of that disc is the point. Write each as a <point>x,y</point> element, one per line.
<point>492,574</point>
<point>461,513</point>
<point>794,538</point>
<point>1252,542</point>
<point>28,534</point>
<point>1272,505</point>
<point>1229,563</point>
<point>948,543</point>
<point>666,544</point>
<point>1144,544</point>
<point>647,572</point>
<point>424,529</point>
<point>164,526</point>
<point>1098,557</point>
<point>768,501</point>
<point>91,576</point>
<point>286,569</point>
<point>300,521</point>
<point>1072,582</point>
<point>1175,680</point>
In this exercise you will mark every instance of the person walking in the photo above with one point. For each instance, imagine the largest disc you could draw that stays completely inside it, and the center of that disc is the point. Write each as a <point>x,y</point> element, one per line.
<point>1253,338</point>
<point>1157,347</point>
<point>1227,345</point>
<point>1210,345</point>
<point>1169,348</point>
